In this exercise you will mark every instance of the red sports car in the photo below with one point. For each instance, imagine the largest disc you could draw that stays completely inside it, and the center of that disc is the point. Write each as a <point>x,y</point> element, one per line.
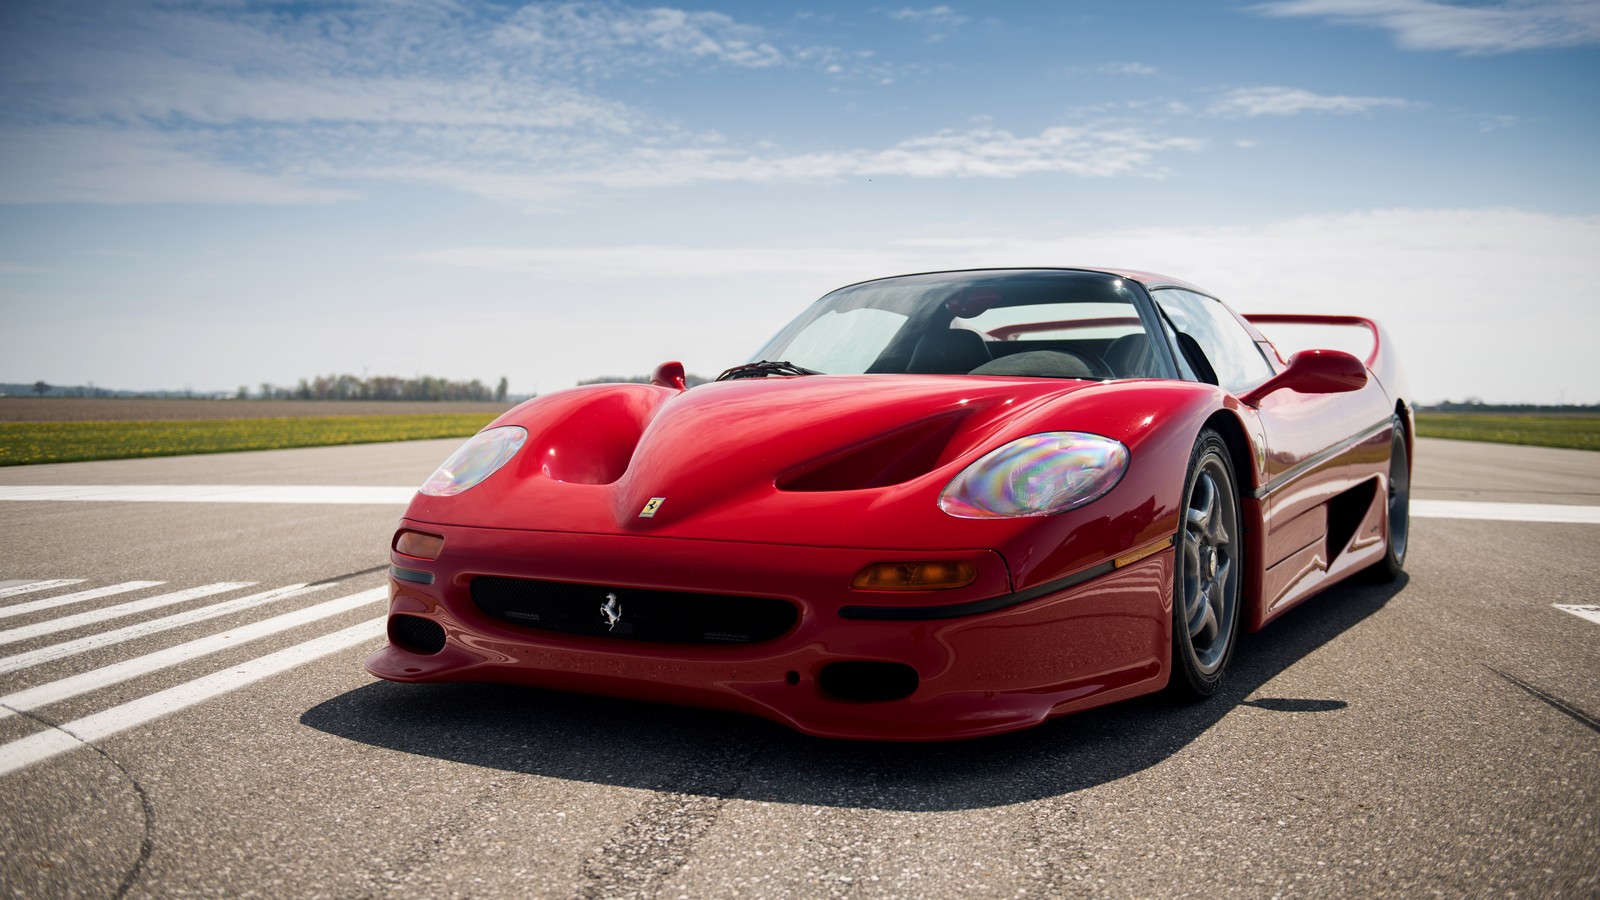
<point>936,506</point>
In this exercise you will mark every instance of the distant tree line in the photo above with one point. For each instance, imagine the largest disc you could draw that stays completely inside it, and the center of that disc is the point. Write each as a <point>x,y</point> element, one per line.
<point>1473,404</point>
<point>381,387</point>
<point>322,387</point>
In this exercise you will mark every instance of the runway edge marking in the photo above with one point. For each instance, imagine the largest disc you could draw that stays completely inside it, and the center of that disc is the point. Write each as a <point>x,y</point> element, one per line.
<point>116,673</point>
<point>65,623</point>
<point>153,626</point>
<point>21,609</point>
<point>27,586</point>
<point>24,752</point>
<point>1588,611</point>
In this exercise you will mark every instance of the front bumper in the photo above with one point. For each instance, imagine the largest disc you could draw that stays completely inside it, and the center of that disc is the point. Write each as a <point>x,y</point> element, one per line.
<point>983,663</point>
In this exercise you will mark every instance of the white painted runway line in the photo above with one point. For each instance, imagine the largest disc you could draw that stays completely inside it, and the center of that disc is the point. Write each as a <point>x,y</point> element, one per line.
<point>153,626</point>
<point>211,493</point>
<point>21,586</point>
<point>26,751</point>
<point>1583,611</point>
<point>18,609</point>
<point>65,623</point>
<point>1505,512</point>
<point>64,688</point>
<point>400,495</point>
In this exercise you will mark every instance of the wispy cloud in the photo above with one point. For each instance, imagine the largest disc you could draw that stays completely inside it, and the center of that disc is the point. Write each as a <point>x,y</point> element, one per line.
<point>1479,28</point>
<point>79,164</point>
<point>606,37</point>
<point>220,103</point>
<point>977,153</point>
<point>1437,277</point>
<point>933,16</point>
<point>1283,101</point>
<point>1126,68</point>
<point>938,21</point>
<point>652,261</point>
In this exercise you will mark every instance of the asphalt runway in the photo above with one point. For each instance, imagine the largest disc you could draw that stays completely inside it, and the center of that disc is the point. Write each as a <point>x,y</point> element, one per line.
<point>1436,736</point>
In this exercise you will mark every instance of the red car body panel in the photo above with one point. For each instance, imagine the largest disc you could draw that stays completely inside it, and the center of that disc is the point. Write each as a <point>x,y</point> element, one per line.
<point>787,487</point>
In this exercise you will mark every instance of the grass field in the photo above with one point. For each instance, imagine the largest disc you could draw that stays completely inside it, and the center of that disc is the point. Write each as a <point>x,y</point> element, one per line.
<point>24,443</point>
<point>1575,432</point>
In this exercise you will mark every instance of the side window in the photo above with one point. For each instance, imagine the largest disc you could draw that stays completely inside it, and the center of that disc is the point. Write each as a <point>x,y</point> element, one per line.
<point>1227,354</point>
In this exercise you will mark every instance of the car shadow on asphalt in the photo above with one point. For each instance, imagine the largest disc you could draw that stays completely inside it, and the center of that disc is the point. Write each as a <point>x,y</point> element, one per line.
<point>708,753</point>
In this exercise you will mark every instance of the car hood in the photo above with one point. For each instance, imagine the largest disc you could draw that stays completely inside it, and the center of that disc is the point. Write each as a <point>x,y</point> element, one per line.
<point>820,460</point>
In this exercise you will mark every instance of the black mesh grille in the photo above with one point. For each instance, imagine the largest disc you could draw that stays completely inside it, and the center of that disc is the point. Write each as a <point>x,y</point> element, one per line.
<point>416,634</point>
<point>668,617</point>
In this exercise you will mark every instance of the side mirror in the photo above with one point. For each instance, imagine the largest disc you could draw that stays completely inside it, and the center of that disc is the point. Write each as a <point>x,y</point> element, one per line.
<point>669,375</point>
<point>1313,372</point>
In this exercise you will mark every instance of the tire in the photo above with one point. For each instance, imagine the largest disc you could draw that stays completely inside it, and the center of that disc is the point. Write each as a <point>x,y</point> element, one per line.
<point>1208,572</point>
<point>1399,525</point>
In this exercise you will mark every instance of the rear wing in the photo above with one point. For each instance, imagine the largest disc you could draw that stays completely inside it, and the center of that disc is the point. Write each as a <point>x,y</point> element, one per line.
<point>1380,361</point>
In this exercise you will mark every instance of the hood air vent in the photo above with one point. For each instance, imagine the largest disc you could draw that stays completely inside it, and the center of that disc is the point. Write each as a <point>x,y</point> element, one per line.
<point>893,459</point>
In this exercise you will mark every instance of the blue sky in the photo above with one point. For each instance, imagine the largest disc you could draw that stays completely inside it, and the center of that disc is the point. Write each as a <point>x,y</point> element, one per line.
<point>214,194</point>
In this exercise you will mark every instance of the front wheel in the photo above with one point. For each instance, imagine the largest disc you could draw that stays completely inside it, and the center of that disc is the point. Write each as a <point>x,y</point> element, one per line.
<point>1205,603</point>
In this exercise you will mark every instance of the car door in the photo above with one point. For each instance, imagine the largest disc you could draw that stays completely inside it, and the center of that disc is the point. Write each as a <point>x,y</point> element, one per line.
<point>1319,448</point>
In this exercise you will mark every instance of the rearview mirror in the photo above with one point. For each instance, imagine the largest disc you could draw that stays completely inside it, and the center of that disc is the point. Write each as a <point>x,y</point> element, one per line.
<point>670,375</point>
<point>1313,372</point>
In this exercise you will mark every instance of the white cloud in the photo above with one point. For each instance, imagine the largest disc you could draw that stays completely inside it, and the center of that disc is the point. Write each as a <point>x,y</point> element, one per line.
<point>240,104</point>
<point>652,261</point>
<point>1283,101</point>
<point>1479,28</point>
<point>1126,68</point>
<point>74,164</point>
<point>1455,287</point>
<point>932,17</point>
<point>938,22</point>
<point>977,153</point>
<point>605,37</point>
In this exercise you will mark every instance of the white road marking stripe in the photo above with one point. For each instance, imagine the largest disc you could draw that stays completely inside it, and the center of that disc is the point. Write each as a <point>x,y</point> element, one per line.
<point>61,689</point>
<point>153,626</point>
<point>24,632</point>
<point>26,751</point>
<point>211,493</point>
<point>1582,611</point>
<point>67,599</point>
<point>20,586</point>
<point>1505,512</point>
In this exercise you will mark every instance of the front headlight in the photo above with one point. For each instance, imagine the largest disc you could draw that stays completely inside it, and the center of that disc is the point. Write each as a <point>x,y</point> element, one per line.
<point>1038,475</point>
<point>481,456</point>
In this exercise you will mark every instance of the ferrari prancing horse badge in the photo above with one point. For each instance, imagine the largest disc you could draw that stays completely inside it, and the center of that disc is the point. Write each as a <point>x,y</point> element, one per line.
<point>649,511</point>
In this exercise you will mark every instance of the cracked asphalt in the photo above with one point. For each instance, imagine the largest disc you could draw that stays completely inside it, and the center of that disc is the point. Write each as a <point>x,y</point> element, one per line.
<point>1439,736</point>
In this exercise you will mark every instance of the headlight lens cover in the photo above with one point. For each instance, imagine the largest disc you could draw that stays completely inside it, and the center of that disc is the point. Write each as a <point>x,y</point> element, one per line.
<point>481,456</point>
<point>1037,475</point>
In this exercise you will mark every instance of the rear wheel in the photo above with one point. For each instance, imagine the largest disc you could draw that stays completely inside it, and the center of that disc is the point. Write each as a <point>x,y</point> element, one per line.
<point>1205,608</point>
<point>1399,511</point>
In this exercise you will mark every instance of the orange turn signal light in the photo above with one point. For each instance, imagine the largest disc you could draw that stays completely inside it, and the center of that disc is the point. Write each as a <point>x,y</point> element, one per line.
<point>418,544</point>
<point>915,576</point>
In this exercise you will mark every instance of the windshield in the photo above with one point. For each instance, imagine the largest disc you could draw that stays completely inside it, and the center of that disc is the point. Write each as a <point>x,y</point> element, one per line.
<point>1049,324</point>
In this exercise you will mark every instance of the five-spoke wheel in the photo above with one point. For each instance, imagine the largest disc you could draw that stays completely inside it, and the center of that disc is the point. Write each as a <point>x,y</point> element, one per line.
<point>1205,613</point>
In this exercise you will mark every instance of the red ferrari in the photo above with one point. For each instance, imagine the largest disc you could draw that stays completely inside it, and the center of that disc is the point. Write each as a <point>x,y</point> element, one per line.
<point>936,506</point>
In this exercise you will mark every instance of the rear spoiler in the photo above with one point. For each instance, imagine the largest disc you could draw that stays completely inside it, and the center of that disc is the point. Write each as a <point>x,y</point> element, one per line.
<point>1380,361</point>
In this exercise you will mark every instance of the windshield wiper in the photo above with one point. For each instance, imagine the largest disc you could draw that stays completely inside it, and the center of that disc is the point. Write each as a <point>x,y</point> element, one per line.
<point>764,368</point>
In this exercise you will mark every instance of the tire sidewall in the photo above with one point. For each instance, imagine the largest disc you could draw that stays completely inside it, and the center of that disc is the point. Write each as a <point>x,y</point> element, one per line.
<point>1187,678</point>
